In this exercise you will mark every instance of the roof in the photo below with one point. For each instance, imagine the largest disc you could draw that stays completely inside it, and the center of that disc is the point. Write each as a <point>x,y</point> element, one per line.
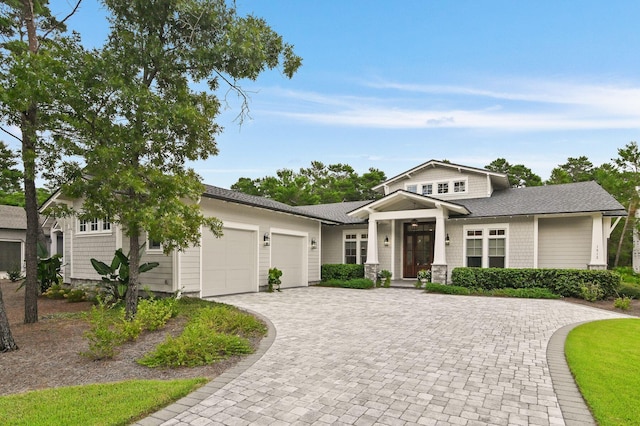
<point>578,197</point>
<point>403,200</point>
<point>337,211</point>
<point>266,203</point>
<point>500,180</point>
<point>12,217</point>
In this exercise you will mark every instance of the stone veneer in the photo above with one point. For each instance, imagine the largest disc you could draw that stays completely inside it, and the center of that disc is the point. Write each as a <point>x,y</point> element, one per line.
<point>439,274</point>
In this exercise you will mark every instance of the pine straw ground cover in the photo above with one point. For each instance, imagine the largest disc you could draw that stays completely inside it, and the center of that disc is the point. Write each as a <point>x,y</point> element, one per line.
<point>48,355</point>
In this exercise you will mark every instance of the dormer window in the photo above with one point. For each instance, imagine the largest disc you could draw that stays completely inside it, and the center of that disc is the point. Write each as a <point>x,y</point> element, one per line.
<point>427,189</point>
<point>460,186</point>
<point>443,188</point>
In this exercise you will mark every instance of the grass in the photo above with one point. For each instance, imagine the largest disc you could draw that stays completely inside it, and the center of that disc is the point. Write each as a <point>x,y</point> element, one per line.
<point>100,404</point>
<point>526,293</point>
<point>604,357</point>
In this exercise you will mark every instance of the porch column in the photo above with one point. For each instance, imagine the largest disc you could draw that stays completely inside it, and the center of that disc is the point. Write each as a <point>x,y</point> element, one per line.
<point>371,265</point>
<point>439,265</point>
<point>598,252</point>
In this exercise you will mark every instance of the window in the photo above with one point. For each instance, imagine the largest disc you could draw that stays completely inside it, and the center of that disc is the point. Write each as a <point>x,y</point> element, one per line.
<point>443,188</point>
<point>355,248</point>
<point>427,189</point>
<point>459,186</point>
<point>486,246</point>
<point>94,226</point>
<point>412,188</point>
<point>153,245</point>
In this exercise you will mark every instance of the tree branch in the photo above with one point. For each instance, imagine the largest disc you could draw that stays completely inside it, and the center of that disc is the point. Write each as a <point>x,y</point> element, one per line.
<point>11,134</point>
<point>75,9</point>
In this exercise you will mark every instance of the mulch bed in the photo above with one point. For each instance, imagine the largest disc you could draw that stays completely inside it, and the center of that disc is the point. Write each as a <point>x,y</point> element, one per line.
<point>49,350</point>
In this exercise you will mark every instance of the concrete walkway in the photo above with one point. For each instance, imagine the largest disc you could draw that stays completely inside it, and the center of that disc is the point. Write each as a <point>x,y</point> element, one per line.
<point>392,357</point>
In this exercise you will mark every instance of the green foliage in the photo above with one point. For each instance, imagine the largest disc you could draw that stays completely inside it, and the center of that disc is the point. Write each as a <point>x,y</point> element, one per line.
<point>15,274</point>
<point>423,275</point>
<point>629,290</point>
<point>623,303</point>
<point>48,269</point>
<point>274,280</point>
<point>318,184</point>
<point>525,293</point>
<point>56,291</point>
<point>519,175</point>
<point>102,335</point>
<point>340,271</point>
<point>16,198</point>
<point>153,314</point>
<point>359,283</point>
<point>386,276</point>
<point>213,334</point>
<point>578,169</point>
<point>120,403</point>
<point>115,276</point>
<point>591,292</point>
<point>75,295</point>
<point>565,282</point>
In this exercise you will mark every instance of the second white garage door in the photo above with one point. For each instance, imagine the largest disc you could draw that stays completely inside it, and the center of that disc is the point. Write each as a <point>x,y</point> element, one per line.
<point>229,264</point>
<point>288,254</point>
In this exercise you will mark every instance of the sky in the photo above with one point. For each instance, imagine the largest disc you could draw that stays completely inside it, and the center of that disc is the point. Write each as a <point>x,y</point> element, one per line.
<point>392,84</point>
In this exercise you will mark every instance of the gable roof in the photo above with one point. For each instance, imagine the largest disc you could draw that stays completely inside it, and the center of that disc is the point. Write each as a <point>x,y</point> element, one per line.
<point>581,197</point>
<point>499,180</point>
<point>12,217</point>
<point>401,199</point>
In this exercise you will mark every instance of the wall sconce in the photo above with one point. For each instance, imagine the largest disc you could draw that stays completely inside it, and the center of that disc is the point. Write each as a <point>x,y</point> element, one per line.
<point>314,244</point>
<point>414,223</point>
<point>266,239</point>
<point>386,241</point>
<point>447,240</point>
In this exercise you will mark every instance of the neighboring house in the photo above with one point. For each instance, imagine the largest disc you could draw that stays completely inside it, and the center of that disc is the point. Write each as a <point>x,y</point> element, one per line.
<point>13,233</point>
<point>437,216</point>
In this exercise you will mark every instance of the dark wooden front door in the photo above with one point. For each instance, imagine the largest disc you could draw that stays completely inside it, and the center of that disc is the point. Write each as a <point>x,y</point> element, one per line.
<point>418,248</point>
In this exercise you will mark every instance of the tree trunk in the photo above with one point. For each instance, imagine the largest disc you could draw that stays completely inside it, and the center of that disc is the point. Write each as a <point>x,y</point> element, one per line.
<point>7,343</point>
<point>28,128</point>
<point>630,218</point>
<point>131,303</point>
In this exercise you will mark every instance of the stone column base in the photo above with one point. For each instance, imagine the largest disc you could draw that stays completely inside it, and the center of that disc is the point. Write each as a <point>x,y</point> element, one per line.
<point>439,274</point>
<point>596,267</point>
<point>371,271</point>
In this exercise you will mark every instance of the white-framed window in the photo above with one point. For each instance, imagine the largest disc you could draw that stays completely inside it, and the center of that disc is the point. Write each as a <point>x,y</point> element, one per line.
<point>427,188</point>
<point>412,188</point>
<point>443,187</point>
<point>355,247</point>
<point>460,186</point>
<point>94,226</point>
<point>486,246</point>
<point>153,245</point>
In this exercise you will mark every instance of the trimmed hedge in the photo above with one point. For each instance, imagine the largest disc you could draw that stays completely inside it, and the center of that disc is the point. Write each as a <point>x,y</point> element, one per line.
<point>341,271</point>
<point>565,282</point>
<point>527,293</point>
<point>359,283</point>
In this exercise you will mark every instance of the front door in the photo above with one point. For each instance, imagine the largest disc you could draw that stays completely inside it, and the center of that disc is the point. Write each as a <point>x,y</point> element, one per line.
<point>418,247</point>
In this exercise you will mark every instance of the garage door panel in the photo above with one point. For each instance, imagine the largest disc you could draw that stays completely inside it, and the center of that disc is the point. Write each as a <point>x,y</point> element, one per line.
<point>288,255</point>
<point>229,263</point>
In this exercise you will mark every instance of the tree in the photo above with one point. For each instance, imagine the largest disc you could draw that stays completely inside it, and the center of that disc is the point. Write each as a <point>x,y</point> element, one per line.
<point>576,169</point>
<point>519,175</point>
<point>29,63</point>
<point>135,117</point>
<point>318,184</point>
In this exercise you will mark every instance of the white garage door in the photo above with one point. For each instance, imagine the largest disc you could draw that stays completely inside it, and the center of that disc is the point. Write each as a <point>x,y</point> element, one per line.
<point>288,255</point>
<point>229,263</point>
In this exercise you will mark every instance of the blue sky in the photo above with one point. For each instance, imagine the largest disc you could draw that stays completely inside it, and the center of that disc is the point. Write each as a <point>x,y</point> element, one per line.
<point>391,84</point>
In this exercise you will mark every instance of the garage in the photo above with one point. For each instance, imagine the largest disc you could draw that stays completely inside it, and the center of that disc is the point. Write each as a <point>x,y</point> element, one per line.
<point>229,263</point>
<point>289,255</point>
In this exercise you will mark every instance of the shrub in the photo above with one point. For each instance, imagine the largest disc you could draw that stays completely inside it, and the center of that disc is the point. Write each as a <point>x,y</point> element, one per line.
<point>75,295</point>
<point>591,292</point>
<point>623,303</point>
<point>386,276</point>
<point>154,313</point>
<point>446,289</point>
<point>229,320</point>
<point>56,291</point>
<point>629,290</point>
<point>14,274</point>
<point>361,283</point>
<point>274,280</point>
<point>341,271</point>
<point>104,338</point>
<point>565,282</point>
<point>528,293</point>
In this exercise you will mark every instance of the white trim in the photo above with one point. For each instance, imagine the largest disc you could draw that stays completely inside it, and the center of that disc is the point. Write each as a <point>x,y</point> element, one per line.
<point>256,231</point>
<point>485,228</point>
<point>319,249</point>
<point>358,232</point>
<point>98,232</point>
<point>393,248</point>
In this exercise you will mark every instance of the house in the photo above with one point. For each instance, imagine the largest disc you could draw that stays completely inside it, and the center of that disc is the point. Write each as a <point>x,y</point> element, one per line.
<point>436,216</point>
<point>13,234</point>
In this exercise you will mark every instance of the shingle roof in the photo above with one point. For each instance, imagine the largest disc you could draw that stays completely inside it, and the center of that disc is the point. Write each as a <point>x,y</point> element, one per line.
<point>337,211</point>
<point>568,198</point>
<point>12,217</point>
<point>255,201</point>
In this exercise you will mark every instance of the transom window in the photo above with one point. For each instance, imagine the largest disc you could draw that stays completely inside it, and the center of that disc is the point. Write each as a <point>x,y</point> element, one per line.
<point>486,246</point>
<point>355,247</point>
<point>94,226</point>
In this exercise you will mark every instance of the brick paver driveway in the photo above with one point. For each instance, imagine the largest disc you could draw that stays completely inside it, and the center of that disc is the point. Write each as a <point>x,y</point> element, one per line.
<point>395,357</point>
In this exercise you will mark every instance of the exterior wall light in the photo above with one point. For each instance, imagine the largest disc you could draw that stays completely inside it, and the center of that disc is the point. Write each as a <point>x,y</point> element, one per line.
<point>266,239</point>
<point>314,244</point>
<point>386,241</point>
<point>414,223</point>
<point>447,240</point>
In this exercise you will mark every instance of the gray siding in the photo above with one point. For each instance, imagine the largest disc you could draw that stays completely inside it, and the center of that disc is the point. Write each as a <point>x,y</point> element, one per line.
<point>477,184</point>
<point>384,253</point>
<point>332,244</point>
<point>564,242</point>
<point>189,279</point>
<point>159,278</point>
<point>100,246</point>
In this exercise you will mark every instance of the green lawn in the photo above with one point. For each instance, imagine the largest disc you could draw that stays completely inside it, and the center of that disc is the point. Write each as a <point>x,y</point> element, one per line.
<point>604,357</point>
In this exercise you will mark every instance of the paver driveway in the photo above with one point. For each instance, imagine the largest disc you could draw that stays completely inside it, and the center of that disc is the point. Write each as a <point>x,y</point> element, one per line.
<point>395,357</point>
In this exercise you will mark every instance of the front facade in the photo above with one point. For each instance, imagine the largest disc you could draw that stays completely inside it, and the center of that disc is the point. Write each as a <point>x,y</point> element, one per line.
<point>437,216</point>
